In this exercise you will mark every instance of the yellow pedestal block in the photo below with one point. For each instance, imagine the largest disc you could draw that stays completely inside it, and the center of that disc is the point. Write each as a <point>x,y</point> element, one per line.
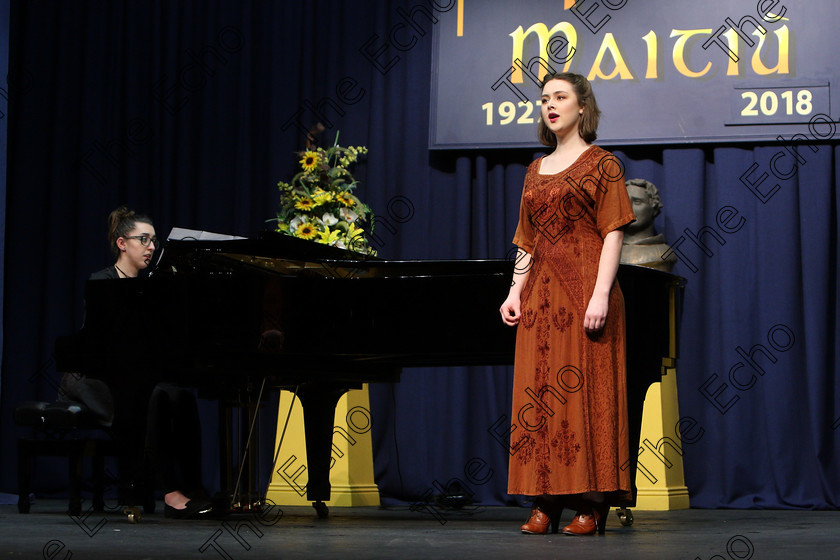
<point>351,470</point>
<point>659,477</point>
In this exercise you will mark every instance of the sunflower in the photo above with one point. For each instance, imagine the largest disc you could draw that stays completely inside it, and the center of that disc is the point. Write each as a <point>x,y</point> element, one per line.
<point>305,203</point>
<point>310,160</point>
<point>305,231</point>
<point>345,199</point>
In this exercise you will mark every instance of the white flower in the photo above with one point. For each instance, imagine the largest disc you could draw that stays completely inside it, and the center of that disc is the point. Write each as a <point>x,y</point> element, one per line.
<point>339,243</point>
<point>296,221</point>
<point>329,219</point>
<point>348,215</point>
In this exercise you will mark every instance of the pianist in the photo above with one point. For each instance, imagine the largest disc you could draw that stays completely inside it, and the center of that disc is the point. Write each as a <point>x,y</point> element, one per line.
<point>171,423</point>
<point>132,239</point>
<point>569,371</point>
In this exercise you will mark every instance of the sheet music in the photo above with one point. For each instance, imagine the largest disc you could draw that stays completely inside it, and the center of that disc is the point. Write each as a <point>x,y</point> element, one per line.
<point>183,234</point>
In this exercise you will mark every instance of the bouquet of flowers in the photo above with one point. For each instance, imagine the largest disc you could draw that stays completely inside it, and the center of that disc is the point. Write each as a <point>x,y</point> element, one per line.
<point>318,203</point>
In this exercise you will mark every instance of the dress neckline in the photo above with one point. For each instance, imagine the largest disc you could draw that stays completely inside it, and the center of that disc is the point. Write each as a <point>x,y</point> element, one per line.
<point>570,166</point>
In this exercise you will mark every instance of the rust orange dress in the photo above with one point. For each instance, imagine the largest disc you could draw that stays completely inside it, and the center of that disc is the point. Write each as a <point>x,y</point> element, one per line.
<point>569,421</point>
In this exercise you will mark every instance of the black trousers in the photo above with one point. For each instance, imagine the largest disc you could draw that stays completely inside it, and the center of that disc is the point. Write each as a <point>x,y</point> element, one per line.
<point>130,406</point>
<point>174,439</point>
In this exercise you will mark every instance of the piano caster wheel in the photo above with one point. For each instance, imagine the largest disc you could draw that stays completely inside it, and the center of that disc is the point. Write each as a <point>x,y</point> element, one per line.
<point>133,514</point>
<point>625,516</point>
<point>321,509</point>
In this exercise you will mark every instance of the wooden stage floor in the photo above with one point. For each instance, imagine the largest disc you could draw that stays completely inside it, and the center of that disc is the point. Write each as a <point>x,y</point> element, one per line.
<point>369,532</point>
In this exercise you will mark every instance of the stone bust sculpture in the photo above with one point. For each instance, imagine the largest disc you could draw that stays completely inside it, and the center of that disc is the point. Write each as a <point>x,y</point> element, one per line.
<point>641,245</point>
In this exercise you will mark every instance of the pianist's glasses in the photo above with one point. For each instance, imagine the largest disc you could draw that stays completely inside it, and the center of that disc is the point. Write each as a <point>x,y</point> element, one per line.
<point>144,240</point>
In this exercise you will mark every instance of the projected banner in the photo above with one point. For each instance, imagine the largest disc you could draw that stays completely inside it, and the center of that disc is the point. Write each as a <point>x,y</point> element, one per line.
<point>662,71</point>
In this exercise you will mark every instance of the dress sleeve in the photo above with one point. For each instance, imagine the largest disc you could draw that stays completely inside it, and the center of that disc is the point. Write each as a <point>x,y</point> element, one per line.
<point>612,205</point>
<point>524,236</point>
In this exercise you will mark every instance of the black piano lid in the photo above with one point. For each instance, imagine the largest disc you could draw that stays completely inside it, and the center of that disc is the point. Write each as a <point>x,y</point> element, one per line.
<point>277,253</point>
<point>651,274</point>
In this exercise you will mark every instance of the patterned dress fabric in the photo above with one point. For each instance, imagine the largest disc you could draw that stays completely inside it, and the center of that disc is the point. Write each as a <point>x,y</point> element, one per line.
<point>569,422</point>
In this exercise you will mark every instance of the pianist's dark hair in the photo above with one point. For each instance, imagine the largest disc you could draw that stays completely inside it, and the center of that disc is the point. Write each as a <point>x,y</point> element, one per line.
<point>121,222</point>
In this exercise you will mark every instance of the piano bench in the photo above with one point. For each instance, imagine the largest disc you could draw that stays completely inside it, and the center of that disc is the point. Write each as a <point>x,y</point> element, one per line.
<point>61,430</point>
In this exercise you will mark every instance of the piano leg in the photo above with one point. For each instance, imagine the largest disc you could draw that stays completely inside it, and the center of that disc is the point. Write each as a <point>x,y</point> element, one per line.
<point>131,401</point>
<point>319,401</point>
<point>226,451</point>
<point>239,454</point>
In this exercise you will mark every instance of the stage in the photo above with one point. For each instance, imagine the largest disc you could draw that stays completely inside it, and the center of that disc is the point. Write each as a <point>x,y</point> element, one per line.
<point>249,119</point>
<point>370,532</point>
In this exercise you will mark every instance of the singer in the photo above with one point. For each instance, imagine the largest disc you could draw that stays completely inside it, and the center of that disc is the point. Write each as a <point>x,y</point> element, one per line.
<point>570,313</point>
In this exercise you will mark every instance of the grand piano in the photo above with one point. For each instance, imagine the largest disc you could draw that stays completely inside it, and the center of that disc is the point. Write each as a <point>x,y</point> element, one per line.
<point>286,313</point>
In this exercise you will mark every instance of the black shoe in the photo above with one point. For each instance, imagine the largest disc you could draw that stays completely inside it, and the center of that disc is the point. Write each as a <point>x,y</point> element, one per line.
<point>194,509</point>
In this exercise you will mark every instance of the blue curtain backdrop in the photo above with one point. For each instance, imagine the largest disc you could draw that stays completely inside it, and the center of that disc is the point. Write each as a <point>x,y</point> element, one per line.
<point>192,111</point>
<point>4,107</point>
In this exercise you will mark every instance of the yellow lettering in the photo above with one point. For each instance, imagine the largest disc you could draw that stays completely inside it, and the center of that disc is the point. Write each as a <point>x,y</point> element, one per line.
<point>609,45</point>
<point>652,55</point>
<point>784,50</point>
<point>543,35</point>
<point>679,51</point>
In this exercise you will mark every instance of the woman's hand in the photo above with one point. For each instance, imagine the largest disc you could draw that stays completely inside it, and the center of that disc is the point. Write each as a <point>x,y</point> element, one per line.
<point>510,310</point>
<point>596,313</point>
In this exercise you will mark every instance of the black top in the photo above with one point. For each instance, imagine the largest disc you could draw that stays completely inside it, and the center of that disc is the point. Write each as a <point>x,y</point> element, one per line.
<point>105,274</point>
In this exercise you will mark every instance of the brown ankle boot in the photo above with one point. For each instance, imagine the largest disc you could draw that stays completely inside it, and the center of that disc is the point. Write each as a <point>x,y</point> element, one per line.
<point>539,522</point>
<point>588,523</point>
